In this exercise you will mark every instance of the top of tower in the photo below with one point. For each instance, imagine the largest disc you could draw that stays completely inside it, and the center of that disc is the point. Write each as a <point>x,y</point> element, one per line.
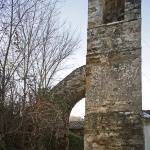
<point>109,11</point>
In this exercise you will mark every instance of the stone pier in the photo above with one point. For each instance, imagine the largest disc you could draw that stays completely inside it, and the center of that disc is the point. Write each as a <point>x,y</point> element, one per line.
<point>113,76</point>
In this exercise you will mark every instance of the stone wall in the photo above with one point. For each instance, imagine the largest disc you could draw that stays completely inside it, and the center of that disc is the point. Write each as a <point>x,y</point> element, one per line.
<point>72,88</point>
<point>113,80</point>
<point>114,67</point>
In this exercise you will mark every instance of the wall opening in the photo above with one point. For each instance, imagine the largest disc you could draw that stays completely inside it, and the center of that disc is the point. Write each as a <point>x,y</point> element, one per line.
<point>77,114</point>
<point>76,126</point>
<point>76,120</point>
<point>113,10</point>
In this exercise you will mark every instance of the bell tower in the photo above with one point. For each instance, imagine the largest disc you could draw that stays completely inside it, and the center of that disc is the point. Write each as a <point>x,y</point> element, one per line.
<point>113,76</point>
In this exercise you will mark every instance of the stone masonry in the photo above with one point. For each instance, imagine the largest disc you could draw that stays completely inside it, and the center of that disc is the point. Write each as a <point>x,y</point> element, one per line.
<point>113,76</point>
<point>72,88</point>
<point>69,91</point>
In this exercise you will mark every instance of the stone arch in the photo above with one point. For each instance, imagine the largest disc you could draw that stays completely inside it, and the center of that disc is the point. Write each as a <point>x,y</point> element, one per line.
<point>70,90</point>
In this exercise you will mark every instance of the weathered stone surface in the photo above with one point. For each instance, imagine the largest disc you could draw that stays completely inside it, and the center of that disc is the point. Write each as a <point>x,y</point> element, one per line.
<point>113,86</point>
<point>114,130</point>
<point>72,88</point>
<point>113,77</point>
<point>119,36</point>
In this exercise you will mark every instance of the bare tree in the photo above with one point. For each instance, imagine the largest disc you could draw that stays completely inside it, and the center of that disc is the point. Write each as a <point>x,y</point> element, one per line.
<point>34,45</point>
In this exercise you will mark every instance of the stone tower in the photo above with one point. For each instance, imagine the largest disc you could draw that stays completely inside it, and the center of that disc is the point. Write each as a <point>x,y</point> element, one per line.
<point>113,76</point>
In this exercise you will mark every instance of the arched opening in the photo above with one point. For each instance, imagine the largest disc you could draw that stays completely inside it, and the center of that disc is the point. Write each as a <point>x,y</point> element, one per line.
<point>76,125</point>
<point>71,90</point>
<point>79,109</point>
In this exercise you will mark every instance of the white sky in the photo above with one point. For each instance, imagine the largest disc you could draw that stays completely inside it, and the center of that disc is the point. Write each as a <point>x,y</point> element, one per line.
<point>76,13</point>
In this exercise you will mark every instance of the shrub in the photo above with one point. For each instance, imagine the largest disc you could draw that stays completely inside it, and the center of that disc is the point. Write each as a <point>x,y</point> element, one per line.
<point>75,142</point>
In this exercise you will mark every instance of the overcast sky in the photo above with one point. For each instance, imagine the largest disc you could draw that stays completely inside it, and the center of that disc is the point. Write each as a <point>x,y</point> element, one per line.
<point>76,13</point>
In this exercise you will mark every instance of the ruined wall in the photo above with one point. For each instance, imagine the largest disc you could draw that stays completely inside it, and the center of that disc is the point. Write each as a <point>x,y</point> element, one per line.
<point>72,88</point>
<point>67,93</point>
<point>113,79</point>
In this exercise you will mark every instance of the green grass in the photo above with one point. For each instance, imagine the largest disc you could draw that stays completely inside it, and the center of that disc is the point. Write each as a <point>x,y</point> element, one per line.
<point>75,142</point>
